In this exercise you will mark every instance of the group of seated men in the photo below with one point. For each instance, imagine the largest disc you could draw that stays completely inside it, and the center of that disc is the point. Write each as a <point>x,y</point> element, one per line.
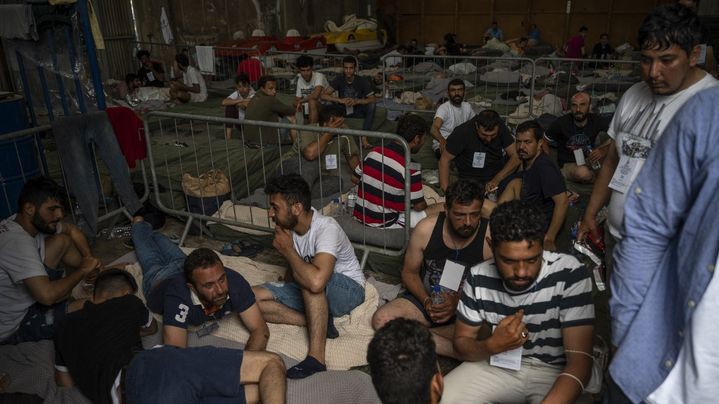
<point>151,84</point>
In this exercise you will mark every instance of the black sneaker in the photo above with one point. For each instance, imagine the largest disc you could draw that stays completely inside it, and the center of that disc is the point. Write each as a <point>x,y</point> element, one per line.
<point>306,368</point>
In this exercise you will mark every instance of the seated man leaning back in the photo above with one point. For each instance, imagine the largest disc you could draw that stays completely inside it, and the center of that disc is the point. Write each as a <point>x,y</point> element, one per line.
<point>451,242</point>
<point>539,305</point>
<point>324,279</point>
<point>194,290</point>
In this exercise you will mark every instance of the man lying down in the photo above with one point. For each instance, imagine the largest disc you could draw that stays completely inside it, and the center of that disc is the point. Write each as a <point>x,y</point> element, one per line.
<point>99,351</point>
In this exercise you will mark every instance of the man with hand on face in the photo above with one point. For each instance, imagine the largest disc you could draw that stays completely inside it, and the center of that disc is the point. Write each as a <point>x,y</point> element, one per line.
<point>449,115</point>
<point>540,183</point>
<point>324,279</point>
<point>33,243</point>
<point>451,242</point>
<point>669,39</point>
<point>539,305</point>
<point>194,290</point>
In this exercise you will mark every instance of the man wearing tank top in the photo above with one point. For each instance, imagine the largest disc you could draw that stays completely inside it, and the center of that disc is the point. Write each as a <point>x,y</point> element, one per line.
<point>441,250</point>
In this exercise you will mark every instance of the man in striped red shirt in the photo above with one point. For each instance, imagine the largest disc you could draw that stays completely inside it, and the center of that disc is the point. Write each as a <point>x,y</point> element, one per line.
<point>381,177</point>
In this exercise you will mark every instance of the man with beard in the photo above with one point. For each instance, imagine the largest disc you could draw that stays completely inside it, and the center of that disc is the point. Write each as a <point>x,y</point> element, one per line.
<point>482,149</point>
<point>580,148</point>
<point>33,244</point>
<point>381,180</point>
<point>324,279</point>
<point>540,183</point>
<point>193,290</point>
<point>452,241</point>
<point>449,115</point>
<point>539,305</point>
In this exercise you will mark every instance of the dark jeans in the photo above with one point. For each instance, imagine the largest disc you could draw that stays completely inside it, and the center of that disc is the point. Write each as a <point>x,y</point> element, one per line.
<point>158,256</point>
<point>365,111</point>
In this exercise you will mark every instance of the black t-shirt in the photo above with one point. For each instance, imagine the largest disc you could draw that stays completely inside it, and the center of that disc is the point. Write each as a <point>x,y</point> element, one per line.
<point>569,137</point>
<point>180,308</point>
<point>473,158</point>
<point>358,89</point>
<point>95,343</point>
<point>602,51</point>
<point>148,78</point>
<point>540,183</point>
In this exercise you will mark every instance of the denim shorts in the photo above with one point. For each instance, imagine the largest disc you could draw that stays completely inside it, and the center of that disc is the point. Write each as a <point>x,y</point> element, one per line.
<point>169,374</point>
<point>343,294</point>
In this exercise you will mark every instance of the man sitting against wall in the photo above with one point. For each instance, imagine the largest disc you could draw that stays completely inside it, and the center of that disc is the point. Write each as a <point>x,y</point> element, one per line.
<point>265,106</point>
<point>34,244</point>
<point>310,85</point>
<point>323,156</point>
<point>190,85</point>
<point>236,103</point>
<point>381,179</point>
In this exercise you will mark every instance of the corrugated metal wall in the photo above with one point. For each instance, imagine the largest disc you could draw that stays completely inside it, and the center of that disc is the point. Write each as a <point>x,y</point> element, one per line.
<point>116,24</point>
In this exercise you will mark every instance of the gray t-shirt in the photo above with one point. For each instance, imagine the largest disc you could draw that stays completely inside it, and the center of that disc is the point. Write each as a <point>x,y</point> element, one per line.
<point>22,258</point>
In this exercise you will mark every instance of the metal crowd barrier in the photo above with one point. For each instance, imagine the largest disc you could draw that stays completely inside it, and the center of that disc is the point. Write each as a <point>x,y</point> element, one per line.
<point>183,143</point>
<point>28,153</point>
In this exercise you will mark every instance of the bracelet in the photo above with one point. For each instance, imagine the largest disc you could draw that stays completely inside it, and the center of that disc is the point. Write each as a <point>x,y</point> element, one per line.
<point>588,355</point>
<point>576,379</point>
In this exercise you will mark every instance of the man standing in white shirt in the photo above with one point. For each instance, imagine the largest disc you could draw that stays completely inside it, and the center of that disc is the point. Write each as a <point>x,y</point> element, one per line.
<point>324,279</point>
<point>310,85</point>
<point>449,115</point>
<point>669,38</point>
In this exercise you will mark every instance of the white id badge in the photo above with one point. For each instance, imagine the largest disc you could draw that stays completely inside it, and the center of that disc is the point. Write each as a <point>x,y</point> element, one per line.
<point>414,166</point>
<point>331,161</point>
<point>306,108</point>
<point>579,157</point>
<point>634,150</point>
<point>702,54</point>
<point>150,76</point>
<point>451,275</point>
<point>511,359</point>
<point>350,109</point>
<point>478,160</point>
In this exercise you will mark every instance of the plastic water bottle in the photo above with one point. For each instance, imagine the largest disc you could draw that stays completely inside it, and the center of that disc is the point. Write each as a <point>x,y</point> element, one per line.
<point>595,165</point>
<point>335,208</point>
<point>437,297</point>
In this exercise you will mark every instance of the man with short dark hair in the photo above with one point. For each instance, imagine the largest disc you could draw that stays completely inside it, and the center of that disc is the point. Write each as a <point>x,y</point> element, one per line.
<point>194,290</point>
<point>112,322</point>
<point>354,93</point>
<point>449,115</point>
<point>265,106</point>
<point>539,182</point>
<point>151,72</point>
<point>403,364</point>
<point>574,48</point>
<point>452,242</point>
<point>580,147</point>
<point>669,39</point>
<point>236,103</point>
<point>482,149</point>
<point>539,305</point>
<point>34,242</point>
<point>190,86</point>
<point>324,279</point>
<point>310,85</point>
<point>381,180</point>
<point>603,50</point>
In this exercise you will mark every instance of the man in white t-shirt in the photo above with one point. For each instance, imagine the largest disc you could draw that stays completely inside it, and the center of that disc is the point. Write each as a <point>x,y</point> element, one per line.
<point>449,115</point>
<point>324,279</point>
<point>670,78</point>
<point>236,103</point>
<point>33,242</point>
<point>310,85</point>
<point>191,86</point>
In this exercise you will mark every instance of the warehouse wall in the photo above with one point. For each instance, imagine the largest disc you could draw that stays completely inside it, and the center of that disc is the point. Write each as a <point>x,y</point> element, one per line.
<point>429,20</point>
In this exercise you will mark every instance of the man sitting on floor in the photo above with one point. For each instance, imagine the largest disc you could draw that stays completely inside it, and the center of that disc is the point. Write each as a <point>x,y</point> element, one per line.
<point>403,364</point>
<point>33,244</point>
<point>236,103</point>
<point>449,115</point>
<point>194,290</point>
<point>580,148</point>
<point>190,87</point>
<point>310,86</point>
<point>316,155</point>
<point>453,242</point>
<point>324,279</point>
<point>540,183</point>
<point>539,304</point>
<point>151,72</point>
<point>265,106</point>
<point>482,149</point>
<point>354,93</point>
<point>113,322</point>
<point>380,189</point>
